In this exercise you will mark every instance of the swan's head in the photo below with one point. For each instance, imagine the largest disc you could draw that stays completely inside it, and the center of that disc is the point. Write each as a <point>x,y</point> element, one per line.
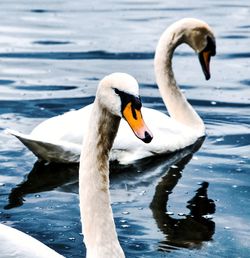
<point>119,94</point>
<point>200,37</point>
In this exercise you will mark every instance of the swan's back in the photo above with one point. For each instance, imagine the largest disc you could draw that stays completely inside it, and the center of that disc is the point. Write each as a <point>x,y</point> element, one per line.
<point>15,243</point>
<point>169,136</point>
<point>66,127</point>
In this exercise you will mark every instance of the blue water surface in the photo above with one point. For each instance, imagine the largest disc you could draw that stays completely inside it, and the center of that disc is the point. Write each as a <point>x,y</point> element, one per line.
<point>194,203</point>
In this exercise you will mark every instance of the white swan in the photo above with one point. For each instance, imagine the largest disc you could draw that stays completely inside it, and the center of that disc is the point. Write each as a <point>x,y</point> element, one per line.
<point>59,138</point>
<point>116,97</point>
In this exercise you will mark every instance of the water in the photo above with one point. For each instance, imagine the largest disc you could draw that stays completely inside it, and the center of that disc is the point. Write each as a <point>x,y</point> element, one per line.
<point>52,54</point>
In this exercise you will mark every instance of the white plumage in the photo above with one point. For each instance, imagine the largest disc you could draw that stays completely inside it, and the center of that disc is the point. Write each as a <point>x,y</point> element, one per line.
<point>16,244</point>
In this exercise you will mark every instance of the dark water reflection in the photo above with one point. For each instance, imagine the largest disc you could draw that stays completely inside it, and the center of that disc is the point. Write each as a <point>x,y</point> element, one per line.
<point>194,228</point>
<point>190,231</point>
<point>191,204</point>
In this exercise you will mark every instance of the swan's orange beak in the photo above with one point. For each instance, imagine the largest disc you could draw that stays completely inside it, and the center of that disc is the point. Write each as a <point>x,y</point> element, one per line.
<point>134,118</point>
<point>204,58</point>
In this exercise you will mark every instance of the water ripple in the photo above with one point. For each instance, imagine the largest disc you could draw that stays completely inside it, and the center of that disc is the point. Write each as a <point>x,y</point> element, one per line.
<point>46,87</point>
<point>234,37</point>
<point>6,82</point>
<point>235,55</point>
<point>42,11</point>
<point>245,82</point>
<point>208,103</point>
<point>51,42</point>
<point>43,108</point>
<point>98,54</point>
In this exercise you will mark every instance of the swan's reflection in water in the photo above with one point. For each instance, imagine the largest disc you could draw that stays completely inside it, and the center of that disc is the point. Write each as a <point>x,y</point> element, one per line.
<point>45,177</point>
<point>189,231</point>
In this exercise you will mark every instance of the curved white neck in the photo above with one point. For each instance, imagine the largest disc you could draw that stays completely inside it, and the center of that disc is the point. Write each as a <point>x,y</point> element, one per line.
<point>99,231</point>
<point>176,103</point>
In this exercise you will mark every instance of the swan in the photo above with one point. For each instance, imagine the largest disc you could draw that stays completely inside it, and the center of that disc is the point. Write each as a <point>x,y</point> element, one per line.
<point>116,97</point>
<point>59,138</point>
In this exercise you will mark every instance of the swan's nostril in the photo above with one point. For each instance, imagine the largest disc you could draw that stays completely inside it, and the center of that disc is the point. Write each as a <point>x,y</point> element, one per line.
<point>148,137</point>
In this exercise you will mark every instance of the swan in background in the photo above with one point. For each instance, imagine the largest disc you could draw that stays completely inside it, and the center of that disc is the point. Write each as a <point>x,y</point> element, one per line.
<point>59,138</point>
<point>116,97</point>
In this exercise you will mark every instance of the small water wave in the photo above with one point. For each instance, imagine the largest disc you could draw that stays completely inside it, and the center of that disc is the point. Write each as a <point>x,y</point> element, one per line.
<point>232,5</point>
<point>80,55</point>
<point>98,54</point>
<point>51,42</point>
<point>43,108</point>
<point>6,82</point>
<point>45,87</point>
<point>234,139</point>
<point>245,82</point>
<point>42,11</point>
<point>234,37</point>
<point>208,103</point>
<point>227,119</point>
<point>235,55</point>
<point>244,27</point>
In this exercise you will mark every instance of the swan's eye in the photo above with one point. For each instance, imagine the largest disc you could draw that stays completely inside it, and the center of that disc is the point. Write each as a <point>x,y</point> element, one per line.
<point>137,103</point>
<point>211,46</point>
<point>117,91</point>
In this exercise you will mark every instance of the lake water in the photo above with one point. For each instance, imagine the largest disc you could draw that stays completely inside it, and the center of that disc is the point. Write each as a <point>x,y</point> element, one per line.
<point>52,54</point>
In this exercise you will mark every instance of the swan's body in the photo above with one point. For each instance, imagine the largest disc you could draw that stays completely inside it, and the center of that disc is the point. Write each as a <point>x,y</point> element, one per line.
<point>16,244</point>
<point>59,138</point>
<point>117,96</point>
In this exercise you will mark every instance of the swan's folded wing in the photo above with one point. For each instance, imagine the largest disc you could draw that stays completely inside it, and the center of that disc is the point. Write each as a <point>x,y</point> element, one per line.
<point>59,151</point>
<point>169,136</point>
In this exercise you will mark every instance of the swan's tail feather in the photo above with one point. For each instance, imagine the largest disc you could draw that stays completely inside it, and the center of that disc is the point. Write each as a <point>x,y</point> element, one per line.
<point>63,152</point>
